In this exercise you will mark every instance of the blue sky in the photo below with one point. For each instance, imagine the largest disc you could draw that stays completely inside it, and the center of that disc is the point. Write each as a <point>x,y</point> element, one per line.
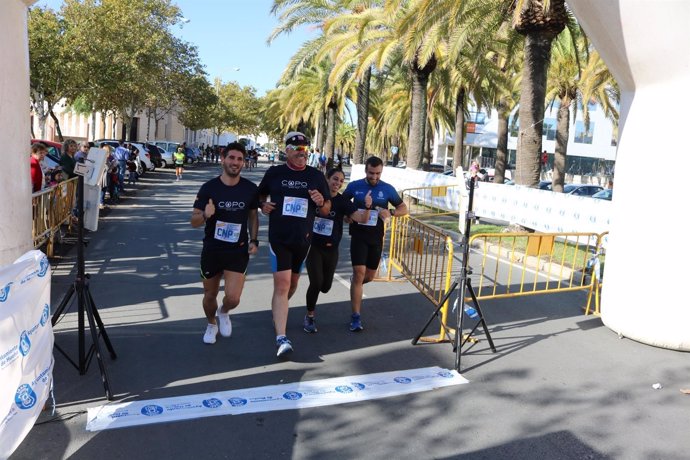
<point>232,34</point>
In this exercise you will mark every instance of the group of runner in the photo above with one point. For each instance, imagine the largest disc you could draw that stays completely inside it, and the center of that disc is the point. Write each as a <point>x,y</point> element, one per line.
<point>306,213</point>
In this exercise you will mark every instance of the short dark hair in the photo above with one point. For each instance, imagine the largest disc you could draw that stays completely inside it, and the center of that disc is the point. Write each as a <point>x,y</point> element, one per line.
<point>37,147</point>
<point>234,146</point>
<point>374,162</point>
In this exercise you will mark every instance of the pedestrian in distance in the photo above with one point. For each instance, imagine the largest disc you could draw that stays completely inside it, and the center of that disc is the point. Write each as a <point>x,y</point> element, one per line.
<point>178,158</point>
<point>366,244</point>
<point>328,231</point>
<point>297,192</point>
<point>121,154</point>
<point>227,208</point>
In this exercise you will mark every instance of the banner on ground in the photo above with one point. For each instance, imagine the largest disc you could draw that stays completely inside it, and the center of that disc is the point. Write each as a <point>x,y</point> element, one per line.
<point>26,347</point>
<point>297,395</point>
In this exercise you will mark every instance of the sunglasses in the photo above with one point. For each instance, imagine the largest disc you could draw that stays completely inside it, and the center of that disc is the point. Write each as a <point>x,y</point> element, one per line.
<point>298,148</point>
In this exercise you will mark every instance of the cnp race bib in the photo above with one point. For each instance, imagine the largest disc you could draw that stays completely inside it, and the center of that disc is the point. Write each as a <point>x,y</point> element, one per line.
<point>323,226</point>
<point>228,232</point>
<point>373,218</point>
<point>295,207</point>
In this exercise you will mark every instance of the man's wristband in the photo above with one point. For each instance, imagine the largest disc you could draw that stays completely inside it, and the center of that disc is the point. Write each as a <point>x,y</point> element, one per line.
<point>392,211</point>
<point>256,242</point>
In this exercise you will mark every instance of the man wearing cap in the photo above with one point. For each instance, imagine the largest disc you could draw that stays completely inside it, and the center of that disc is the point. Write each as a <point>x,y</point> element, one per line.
<point>297,192</point>
<point>226,206</point>
<point>366,243</point>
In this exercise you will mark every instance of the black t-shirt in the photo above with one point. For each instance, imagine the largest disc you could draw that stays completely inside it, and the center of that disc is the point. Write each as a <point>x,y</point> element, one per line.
<point>328,231</point>
<point>292,220</point>
<point>226,230</point>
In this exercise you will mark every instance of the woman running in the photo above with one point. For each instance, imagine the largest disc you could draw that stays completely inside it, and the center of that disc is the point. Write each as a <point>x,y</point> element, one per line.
<point>323,254</point>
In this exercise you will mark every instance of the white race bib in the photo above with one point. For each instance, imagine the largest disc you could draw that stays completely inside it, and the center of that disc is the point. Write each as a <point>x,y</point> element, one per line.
<point>295,207</point>
<point>323,226</point>
<point>228,232</point>
<point>373,218</point>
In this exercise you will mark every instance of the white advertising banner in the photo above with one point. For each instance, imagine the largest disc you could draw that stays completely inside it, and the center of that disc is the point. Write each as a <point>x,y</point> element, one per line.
<point>26,347</point>
<point>297,395</point>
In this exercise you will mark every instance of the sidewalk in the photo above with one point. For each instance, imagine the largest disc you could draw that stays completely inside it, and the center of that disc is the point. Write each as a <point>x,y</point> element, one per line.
<point>560,386</point>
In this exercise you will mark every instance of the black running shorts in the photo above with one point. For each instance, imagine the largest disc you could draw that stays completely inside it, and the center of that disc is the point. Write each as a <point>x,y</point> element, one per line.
<point>365,253</point>
<point>215,262</point>
<point>288,257</point>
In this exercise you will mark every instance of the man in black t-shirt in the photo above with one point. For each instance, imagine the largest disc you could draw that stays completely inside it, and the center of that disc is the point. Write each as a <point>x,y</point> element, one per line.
<point>227,206</point>
<point>297,192</point>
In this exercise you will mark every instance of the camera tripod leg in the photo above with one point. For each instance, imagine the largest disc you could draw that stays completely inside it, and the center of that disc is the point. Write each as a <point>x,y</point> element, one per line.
<point>101,328</point>
<point>91,313</point>
<point>435,313</point>
<point>481,317</point>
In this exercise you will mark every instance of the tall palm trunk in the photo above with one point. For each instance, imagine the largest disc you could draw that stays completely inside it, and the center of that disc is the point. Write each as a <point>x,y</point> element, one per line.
<point>418,112</point>
<point>428,135</point>
<point>459,129</point>
<point>362,115</point>
<point>329,148</point>
<point>562,133</point>
<point>321,132</point>
<point>533,93</point>
<point>501,144</point>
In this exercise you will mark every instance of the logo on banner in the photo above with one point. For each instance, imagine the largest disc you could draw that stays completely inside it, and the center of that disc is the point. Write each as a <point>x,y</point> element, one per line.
<point>5,292</point>
<point>359,386</point>
<point>237,402</point>
<point>446,374</point>
<point>151,410</point>
<point>403,380</point>
<point>43,267</point>
<point>25,398</point>
<point>292,395</point>
<point>212,403</point>
<point>45,315</point>
<point>24,344</point>
<point>343,389</point>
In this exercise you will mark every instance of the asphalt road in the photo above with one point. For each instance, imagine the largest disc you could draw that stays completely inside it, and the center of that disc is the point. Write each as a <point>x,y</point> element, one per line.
<point>561,386</point>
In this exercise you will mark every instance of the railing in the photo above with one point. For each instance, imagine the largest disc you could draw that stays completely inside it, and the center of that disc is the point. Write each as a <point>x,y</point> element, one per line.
<point>52,208</point>
<point>432,201</point>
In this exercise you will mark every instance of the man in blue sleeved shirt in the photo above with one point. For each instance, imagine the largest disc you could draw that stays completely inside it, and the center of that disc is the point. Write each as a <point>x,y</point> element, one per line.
<point>121,154</point>
<point>366,242</point>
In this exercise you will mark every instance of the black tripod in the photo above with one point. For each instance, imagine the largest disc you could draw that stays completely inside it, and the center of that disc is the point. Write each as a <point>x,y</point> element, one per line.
<point>85,303</point>
<point>463,280</point>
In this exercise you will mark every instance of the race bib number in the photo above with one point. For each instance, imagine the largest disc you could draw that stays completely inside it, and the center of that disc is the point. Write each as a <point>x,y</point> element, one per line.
<point>295,207</point>
<point>323,226</point>
<point>373,218</point>
<point>228,232</point>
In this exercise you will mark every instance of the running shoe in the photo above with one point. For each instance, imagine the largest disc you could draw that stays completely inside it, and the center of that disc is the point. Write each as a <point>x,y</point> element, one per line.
<point>224,324</point>
<point>210,334</point>
<point>284,346</point>
<point>356,323</point>
<point>309,324</point>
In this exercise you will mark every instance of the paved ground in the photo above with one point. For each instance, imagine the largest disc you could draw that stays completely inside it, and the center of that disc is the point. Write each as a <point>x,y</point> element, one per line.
<point>562,386</point>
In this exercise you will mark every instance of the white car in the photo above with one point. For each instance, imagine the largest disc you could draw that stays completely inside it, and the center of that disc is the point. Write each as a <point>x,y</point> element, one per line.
<point>145,162</point>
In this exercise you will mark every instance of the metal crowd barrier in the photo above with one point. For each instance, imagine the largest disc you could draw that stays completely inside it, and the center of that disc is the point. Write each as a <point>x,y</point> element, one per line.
<point>518,264</point>
<point>424,255</point>
<point>52,208</point>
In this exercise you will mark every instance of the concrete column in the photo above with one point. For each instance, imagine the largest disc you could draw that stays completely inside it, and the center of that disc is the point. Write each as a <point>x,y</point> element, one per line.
<point>15,132</point>
<point>644,44</point>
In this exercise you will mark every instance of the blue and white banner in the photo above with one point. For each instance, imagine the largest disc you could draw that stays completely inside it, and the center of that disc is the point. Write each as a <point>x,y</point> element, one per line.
<point>26,347</point>
<point>297,395</point>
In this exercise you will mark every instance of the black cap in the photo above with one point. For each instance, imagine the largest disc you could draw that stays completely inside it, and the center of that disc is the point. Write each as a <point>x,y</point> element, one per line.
<point>296,138</point>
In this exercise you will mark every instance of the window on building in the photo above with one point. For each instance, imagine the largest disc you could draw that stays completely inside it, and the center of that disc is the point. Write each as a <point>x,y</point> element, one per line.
<point>513,128</point>
<point>583,136</point>
<point>477,117</point>
<point>549,130</point>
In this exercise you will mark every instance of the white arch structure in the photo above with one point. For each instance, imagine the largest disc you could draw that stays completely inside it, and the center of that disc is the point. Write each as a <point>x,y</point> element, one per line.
<point>644,44</point>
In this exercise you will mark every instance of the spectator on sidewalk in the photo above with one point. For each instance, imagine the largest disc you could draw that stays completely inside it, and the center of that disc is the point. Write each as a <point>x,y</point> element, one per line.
<point>121,155</point>
<point>38,153</point>
<point>67,160</point>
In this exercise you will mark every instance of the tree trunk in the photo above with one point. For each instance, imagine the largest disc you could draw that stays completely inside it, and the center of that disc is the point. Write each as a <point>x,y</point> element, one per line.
<point>501,145</point>
<point>562,133</point>
<point>321,132</point>
<point>415,149</point>
<point>57,123</point>
<point>533,92</point>
<point>329,148</point>
<point>428,134</point>
<point>459,130</point>
<point>362,115</point>
<point>93,124</point>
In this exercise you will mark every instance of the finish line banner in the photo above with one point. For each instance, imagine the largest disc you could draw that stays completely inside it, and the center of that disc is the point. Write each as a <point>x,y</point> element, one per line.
<point>297,395</point>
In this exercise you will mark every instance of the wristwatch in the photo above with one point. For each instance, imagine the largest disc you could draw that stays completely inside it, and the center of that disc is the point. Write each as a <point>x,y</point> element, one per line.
<point>256,242</point>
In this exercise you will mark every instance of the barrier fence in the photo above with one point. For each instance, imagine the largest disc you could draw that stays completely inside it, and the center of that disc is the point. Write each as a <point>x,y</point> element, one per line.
<point>52,208</point>
<point>432,201</point>
<point>511,264</point>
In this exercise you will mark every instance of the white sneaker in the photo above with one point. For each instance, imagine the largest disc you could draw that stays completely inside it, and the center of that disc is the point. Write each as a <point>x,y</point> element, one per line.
<point>210,334</point>
<point>224,324</point>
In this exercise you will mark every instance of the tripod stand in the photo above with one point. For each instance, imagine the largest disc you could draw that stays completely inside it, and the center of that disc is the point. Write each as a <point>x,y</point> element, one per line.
<point>85,303</point>
<point>464,282</point>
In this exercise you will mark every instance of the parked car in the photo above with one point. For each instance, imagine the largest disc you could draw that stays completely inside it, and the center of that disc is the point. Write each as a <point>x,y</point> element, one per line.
<point>192,155</point>
<point>282,156</point>
<point>581,189</point>
<point>169,148</point>
<point>156,154</point>
<point>605,194</point>
<point>143,161</point>
<point>545,185</point>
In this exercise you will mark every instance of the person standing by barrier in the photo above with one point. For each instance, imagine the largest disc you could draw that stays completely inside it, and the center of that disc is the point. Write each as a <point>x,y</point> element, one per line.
<point>38,153</point>
<point>328,231</point>
<point>297,191</point>
<point>366,244</point>
<point>67,160</point>
<point>227,206</point>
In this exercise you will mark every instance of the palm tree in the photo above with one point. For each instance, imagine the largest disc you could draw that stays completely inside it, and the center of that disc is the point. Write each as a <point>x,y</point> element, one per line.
<point>540,21</point>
